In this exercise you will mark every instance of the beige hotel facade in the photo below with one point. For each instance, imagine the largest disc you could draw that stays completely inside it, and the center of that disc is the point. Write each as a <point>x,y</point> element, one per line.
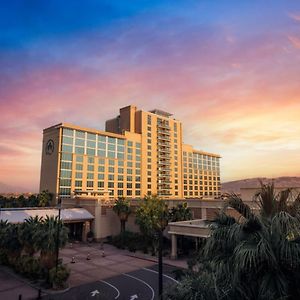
<point>139,153</point>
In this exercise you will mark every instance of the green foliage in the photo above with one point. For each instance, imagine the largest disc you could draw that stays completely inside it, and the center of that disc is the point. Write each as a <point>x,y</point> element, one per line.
<point>256,257</point>
<point>152,215</point>
<point>40,200</point>
<point>180,213</point>
<point>58,277</point>
<point>29,266</point>
<point>123,210</point>
<point>27,232</point>
<point>130,240</point>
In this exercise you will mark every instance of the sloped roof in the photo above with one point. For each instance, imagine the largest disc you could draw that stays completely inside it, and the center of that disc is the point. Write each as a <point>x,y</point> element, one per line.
<point>67,214</point>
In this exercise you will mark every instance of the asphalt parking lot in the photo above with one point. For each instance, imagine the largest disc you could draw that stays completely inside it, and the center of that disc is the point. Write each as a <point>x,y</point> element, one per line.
<point>135,285</point>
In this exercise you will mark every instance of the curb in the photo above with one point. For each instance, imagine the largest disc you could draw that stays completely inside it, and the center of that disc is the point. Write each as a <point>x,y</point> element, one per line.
<point>27,282</point>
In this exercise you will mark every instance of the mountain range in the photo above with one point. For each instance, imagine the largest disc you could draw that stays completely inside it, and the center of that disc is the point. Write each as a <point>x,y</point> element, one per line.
<point>280,182</point>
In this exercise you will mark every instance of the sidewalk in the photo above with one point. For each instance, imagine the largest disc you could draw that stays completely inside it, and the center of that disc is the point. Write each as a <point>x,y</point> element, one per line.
<point>11,287</point>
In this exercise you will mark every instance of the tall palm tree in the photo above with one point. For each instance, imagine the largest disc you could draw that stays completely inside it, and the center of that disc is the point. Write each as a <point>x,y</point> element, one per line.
<point>27,231</point>
<point>46,240</point>
<point>254,257</point>
<point>123,210</point>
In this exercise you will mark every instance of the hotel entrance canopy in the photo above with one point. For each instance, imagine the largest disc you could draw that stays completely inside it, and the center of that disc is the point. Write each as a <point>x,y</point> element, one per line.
<point>68,215</point>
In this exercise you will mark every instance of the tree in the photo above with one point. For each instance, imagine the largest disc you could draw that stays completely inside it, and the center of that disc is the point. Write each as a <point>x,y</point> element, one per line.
<point>27,233</point>
<point>123,210</point>
<point>46,239</point>
<point>181,212</point>
<point>254,257</point>
<point>152,215</point>
<point>44,199</point>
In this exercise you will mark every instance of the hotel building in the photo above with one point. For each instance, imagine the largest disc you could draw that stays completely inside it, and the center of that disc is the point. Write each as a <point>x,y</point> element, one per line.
<point>139,153</point>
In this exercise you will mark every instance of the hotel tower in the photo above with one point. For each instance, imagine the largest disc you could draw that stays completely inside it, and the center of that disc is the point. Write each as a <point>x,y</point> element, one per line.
<point>139,153</point>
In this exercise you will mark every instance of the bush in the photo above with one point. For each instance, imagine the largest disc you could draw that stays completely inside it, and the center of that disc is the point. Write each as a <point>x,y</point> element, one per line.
<point>3,257</point>
<point>28,266</point>
<point>59,279</point>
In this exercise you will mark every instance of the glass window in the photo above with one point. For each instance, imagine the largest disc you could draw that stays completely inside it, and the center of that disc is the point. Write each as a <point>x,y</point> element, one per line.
<point>90,167</point>
<point>121,142</point>
<point>110,184</point>
<point>90,175</point>
<point>100,184</point>
<point>90,184</point>
<point>66,156</point>
<point>120,155</point>
<point>121,163</point>
<point>79,158</point>
<point>67,140</point>
<point>91,144</point>
<point>91,136</point>
<point>65,182</point>
<point>66,165</point>
<point>80,134</point>
<point>90,151</point>
<point>111,154</point>
<point>138,145</point>
<point>120,170</point>
<point>101,138</point>
<point>101,176</point>
<point>111,169</point>
<point>129,143</point>
<point>79,142</point>
<point>78,183</point>
<point>101,146</point>
<point>101,153</point>
<point>112,140</point>
<point>79,150</point>
<point>111,147</point>
<point>68,132</point>
<point>79,167</point>
<point>66,148</point>
<point>65,174</point>
<point>78,175</point>
<point>111,177</point>
<point>101,161</point>
<point>101,169</point>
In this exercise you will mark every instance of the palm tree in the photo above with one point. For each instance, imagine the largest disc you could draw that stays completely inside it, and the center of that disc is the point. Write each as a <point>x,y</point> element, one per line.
<point>27,231</point>
<point>181,212</point>
<point>254,257</point>
<point>123,210</point>
<point>46,240</point>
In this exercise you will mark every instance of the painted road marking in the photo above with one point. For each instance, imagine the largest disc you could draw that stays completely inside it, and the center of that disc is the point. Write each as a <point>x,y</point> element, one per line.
<point>163,274</point>
<point>133,297</point>
<point>118,292</point>
<point>150,287</point>
<point>94,293</point>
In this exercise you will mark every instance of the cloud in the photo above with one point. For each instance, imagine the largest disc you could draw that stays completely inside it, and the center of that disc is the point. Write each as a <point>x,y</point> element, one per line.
<point>295,41</point>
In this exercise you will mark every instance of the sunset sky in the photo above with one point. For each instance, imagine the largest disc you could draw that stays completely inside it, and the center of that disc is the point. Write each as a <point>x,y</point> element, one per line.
<point>229,70</point>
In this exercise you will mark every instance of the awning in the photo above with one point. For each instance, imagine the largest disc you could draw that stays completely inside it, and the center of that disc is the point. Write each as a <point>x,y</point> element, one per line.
<point>67,214</point>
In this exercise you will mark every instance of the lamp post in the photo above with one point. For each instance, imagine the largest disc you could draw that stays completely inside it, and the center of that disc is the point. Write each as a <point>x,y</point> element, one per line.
<point>57,235</point>
<point>162,225</point>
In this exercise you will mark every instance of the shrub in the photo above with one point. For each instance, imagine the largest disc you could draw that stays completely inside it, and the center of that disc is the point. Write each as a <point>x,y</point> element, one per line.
<point>59,278</point>
<point>3,257</point>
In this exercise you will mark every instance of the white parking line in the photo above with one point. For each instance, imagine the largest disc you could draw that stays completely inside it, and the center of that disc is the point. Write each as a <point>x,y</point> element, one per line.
<point>118,292</point>
<point>163,274</point>
<point>149,286</point>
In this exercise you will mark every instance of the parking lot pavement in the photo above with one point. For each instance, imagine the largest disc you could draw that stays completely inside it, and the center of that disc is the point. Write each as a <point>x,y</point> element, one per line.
<point>139,284</point>
<point>11,287</point>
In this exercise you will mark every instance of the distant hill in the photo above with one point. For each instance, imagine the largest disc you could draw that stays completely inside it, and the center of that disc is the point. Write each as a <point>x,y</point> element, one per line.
<point>234,186</point>
<point>5,188</point>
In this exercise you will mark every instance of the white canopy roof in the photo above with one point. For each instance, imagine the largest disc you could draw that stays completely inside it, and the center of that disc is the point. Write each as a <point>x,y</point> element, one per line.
<point>18,215</point>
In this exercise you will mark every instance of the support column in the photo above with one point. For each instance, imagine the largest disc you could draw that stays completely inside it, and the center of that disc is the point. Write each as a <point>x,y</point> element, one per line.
<point>85,229</point>
<point>174,247</point>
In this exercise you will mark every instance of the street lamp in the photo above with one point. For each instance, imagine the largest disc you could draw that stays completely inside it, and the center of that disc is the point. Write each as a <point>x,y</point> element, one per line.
<point>57,234</point>
<point>161,226</point>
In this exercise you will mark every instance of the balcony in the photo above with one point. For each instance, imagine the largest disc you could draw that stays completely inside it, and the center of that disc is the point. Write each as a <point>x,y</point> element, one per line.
<point>164,131</point>
<point>163,125</point>
<point>163,138</point>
